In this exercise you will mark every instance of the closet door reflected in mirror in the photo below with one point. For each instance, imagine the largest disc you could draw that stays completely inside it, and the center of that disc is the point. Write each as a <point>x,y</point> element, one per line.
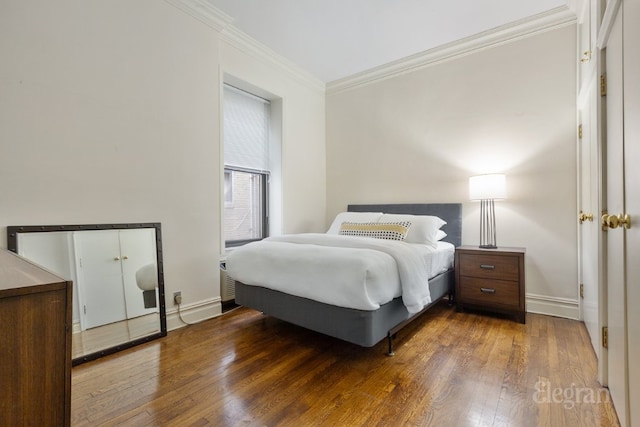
<point>116,269</point>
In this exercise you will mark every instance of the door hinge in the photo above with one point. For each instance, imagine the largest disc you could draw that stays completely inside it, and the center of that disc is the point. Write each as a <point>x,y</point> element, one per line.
<point>84,308</point>
<point>605,337</point>
<point>603,84</point>
<point>580,131</point>
<point>581,290</point>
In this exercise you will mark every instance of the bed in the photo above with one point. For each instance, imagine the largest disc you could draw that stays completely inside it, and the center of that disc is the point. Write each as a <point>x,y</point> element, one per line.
<point>365,326</point>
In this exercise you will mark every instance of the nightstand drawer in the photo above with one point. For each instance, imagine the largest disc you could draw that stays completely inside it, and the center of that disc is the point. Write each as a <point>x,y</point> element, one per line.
<point>490,291</point>
<point>489,266</point>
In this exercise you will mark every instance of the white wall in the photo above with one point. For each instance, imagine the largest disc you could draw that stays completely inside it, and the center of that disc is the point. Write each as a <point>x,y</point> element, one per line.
<point>417,137</point>
<point>109,112</point>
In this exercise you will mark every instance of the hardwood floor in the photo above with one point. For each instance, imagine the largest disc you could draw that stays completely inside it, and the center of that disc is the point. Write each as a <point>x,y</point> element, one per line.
<point>101,337</point>
<point>450,369</point>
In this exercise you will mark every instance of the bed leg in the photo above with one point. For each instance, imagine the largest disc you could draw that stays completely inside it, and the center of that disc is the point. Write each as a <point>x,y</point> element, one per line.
<point>390,341</point>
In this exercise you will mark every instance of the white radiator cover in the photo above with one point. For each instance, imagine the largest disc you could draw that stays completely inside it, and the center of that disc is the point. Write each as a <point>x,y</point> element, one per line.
<point>227,284</point>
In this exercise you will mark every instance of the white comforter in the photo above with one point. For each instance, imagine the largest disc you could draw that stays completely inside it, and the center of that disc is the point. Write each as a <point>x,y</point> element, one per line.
<point>354,272</point>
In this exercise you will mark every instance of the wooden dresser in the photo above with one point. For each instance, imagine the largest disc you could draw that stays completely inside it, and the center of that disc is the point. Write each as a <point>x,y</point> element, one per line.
<point>35,345</point>
<point>491,279</point>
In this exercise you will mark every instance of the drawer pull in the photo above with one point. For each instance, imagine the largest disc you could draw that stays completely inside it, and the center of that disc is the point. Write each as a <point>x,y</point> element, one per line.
<point>487,267</point>
<point>487,290</point>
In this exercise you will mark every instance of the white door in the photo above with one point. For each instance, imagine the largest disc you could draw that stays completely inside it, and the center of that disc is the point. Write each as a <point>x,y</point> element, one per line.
<point>589,227</point>
<point>137,248</point>
<point>584,41</point>
<point>631,24</point>
<point>99,278</point>
<point>616,286</point>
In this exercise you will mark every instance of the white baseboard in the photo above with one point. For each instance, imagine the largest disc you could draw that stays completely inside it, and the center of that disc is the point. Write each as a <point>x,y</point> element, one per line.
<point>208,309</point>
<point>193,313</point>
<point>76,328</point>
<point>552,306</point>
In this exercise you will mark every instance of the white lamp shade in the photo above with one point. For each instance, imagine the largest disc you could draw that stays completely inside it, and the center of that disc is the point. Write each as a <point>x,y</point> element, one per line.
<point>147,277</point>
<point>488,187</point>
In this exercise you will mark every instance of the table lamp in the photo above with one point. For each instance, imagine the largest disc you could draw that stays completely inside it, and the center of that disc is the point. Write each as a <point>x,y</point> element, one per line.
<point>487,189</point>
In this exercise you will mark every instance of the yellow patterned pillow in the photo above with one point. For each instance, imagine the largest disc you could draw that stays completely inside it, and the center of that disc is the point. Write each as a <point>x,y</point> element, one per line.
<point>379,230</point>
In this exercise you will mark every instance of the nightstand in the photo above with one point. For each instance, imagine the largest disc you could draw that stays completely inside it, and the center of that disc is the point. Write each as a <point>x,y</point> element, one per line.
<point>491,279</point>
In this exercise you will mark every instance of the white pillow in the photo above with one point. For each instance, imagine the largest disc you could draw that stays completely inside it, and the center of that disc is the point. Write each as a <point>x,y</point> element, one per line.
<point>352,217</point>
<point>440,235</point>
<point>424,228</point>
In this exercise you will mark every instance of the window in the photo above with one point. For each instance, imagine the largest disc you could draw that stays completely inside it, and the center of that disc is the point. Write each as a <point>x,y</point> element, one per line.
<point>228,188</point>
<point>246,166</point>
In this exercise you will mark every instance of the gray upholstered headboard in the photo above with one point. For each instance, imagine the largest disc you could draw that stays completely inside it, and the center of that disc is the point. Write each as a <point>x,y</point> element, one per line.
<point>450,212</point>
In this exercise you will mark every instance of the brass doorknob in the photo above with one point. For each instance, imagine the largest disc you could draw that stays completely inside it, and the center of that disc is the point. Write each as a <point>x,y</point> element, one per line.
<point>625,221</point>
<point>584,217</point>
<point>615,221</point>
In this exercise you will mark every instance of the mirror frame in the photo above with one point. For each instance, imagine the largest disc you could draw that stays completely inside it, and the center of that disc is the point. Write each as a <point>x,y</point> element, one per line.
<point>12,245</point>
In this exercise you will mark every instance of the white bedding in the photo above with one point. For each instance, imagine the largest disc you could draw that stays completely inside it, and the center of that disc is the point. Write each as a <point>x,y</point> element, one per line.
<point>438,259</point>
<point>354,272</point>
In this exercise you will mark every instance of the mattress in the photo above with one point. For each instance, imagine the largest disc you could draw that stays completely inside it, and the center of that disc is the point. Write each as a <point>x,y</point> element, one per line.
<point>350,272</point>
<point>438,259</point>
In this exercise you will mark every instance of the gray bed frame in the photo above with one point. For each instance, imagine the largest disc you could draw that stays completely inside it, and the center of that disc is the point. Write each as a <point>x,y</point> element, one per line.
<point>362,327</point>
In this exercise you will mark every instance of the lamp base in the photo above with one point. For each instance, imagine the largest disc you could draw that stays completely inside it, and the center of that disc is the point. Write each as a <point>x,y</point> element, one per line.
<point>487,225</point>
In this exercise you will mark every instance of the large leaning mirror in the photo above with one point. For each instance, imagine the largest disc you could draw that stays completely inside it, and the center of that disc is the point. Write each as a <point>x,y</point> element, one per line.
<point>118,285</point>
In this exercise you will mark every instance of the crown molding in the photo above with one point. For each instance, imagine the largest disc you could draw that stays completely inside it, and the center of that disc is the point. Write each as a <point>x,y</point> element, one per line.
<point>546,21</point>
<point>203,12</point>
<point>575,5</point>
<point>240,40</point>
<point>223,23</point>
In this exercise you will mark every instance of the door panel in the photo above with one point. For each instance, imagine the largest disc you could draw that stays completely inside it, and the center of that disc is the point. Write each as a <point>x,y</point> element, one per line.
<point>616,292</point>
<point>584,40</point>
<point>138,248</point>
<point>589,229</point>
<point>99,278</point>
<point>632,200</point>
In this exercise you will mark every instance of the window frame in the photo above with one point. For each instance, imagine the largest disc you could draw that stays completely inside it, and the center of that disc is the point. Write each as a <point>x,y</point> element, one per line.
<point>264,201</point>
<point>228,202</point>
<point>273,200</point>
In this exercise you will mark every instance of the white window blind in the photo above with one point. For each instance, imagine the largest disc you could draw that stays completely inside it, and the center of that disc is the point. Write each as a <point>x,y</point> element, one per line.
<point>246,130</point>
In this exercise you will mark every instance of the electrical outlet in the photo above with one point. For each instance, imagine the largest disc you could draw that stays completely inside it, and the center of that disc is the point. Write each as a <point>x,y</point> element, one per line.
<point>177,298</point>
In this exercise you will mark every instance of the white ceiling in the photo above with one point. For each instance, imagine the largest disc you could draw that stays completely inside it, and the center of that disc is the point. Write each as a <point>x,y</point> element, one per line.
<point>333,39</point>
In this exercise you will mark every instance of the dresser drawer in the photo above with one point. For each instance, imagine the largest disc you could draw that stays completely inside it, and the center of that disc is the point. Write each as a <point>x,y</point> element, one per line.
<point>489,266</point>
<point>490,291</point>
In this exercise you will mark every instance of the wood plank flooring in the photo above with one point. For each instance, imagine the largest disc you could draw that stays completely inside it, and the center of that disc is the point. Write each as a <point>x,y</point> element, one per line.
<point>101,337</point>
<point>450,369</point>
